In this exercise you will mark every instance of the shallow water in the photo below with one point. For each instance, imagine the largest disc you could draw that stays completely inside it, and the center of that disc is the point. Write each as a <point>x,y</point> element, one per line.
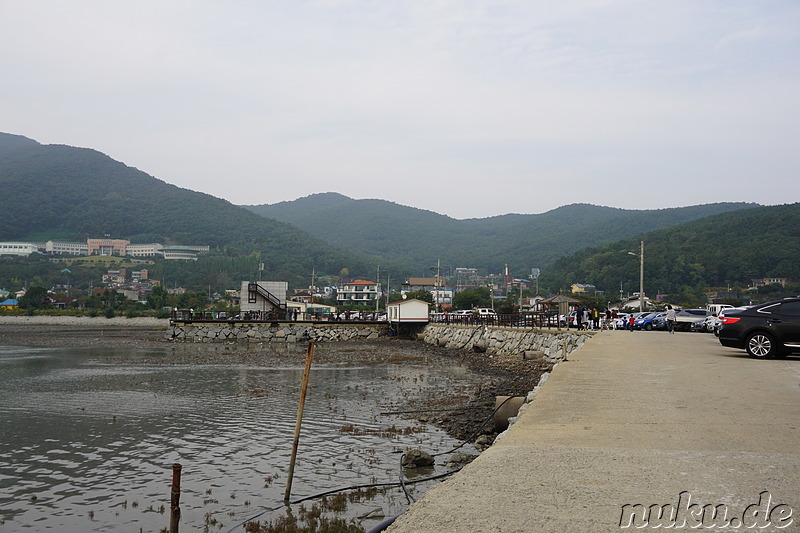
<point>88,437</point>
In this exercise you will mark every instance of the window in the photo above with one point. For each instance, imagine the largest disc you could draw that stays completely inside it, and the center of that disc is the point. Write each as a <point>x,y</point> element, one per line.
<point>790,309</point>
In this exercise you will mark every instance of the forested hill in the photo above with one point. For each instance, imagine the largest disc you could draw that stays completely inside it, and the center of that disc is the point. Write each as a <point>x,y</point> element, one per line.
<point>729,249</point>
<point>62,192</point>
<point>420,237</point>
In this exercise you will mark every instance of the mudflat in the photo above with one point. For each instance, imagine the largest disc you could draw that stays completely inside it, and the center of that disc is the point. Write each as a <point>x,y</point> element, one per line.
<point>460,412</point>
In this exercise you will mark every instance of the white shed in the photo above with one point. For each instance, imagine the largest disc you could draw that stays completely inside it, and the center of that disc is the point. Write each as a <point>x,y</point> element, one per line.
<point>405,311</point>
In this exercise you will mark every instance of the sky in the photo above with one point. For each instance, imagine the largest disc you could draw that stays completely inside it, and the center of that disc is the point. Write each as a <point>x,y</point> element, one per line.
<point>466,108</point>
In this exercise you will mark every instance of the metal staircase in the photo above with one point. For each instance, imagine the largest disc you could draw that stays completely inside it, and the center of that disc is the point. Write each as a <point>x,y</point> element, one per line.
<point>254,290</point>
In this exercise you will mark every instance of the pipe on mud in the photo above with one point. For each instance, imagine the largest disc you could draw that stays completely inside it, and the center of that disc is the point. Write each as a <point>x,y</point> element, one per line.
<point>506,407</point>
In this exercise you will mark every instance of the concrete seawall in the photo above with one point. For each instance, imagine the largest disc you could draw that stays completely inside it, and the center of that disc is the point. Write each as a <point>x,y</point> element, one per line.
<point>506,341</point>
<point>551,346</point>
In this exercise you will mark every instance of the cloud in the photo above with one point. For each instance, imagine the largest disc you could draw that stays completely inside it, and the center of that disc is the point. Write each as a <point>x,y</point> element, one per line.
<point>531,103</point>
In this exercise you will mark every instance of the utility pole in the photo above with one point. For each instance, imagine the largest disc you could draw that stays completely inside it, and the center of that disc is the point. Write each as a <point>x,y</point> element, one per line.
<point>641,276</point>
<point>377,289</point>
<point>640,255</point>
<point>313,286</point>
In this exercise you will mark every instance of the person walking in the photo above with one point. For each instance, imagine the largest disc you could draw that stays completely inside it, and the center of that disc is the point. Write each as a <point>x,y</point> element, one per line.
<point>671,319</point>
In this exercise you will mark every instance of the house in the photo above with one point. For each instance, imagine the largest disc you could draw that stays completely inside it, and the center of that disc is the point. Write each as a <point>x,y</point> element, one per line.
<point>407,311</point>
<point>357,292</point>
<point>302,295</point>
<point>9,304</point>
<point>61,301</point>
<point>763,282</point>
<point>583,287</point>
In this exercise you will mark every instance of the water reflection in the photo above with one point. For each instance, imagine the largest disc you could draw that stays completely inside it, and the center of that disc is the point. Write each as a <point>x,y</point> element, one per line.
<point>88,438</point>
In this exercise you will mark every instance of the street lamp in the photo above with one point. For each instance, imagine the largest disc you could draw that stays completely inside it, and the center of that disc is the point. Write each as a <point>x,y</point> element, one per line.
<point>640,255</point>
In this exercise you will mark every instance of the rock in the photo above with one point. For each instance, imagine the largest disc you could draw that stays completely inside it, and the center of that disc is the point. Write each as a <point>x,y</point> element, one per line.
<point>416,458</point>
<point>458,460</point>
<point>484,440</point>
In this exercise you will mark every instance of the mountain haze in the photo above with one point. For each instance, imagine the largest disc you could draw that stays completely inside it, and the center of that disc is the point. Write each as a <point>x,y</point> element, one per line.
<point>419,237</point>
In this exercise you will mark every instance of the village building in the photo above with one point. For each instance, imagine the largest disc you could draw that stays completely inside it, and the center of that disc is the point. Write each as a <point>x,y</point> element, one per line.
<point>357,292</point>
<point>407,311</point>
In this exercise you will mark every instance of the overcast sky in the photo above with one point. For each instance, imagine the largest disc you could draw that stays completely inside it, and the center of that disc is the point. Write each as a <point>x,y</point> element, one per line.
<point>466,108</point>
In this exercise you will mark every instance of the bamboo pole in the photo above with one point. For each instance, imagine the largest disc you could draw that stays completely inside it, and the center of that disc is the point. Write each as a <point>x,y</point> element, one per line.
<point>296,442</point>
<point>175,499</point>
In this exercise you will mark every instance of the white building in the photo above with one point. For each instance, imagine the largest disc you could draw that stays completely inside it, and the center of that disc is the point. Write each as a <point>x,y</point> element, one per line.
<point>263,296</point>
<point>144,250</point>
<point>407,311</point>
<point>66,248</point>
<point>18,248</point>
<point>357,292</point>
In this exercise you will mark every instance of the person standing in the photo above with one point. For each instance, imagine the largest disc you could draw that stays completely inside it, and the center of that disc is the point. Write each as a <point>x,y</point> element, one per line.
<point>671,319</point>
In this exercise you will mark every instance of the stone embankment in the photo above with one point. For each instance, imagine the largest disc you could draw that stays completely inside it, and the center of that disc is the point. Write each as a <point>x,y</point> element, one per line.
<point>288,332</point>
<point>551,346</point>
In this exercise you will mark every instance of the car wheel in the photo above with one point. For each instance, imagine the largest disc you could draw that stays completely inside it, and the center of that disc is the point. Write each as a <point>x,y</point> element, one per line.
<point>649,327</point>
<point>761,345</point>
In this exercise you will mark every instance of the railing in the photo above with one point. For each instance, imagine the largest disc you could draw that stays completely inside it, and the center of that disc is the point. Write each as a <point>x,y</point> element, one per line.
<point>522,320</point>
<point>255,288</point>
<point>283,315</point>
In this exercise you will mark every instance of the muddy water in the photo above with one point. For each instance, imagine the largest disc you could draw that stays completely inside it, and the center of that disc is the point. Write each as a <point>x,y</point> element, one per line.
<point>88,436</point>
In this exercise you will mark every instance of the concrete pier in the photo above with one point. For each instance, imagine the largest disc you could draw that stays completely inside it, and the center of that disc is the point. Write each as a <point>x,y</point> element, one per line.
<point>633,424</point>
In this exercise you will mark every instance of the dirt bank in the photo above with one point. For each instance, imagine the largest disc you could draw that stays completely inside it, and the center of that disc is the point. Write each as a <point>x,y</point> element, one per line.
<point>459,413</point>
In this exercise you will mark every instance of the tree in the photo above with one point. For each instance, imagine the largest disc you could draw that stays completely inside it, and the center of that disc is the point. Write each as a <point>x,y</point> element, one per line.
<point>34,298</point>
<point>158,297</point>
<point>420,294</point>
<point>474,297</point>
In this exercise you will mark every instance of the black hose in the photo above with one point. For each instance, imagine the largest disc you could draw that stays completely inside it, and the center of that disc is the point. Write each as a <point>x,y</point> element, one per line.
<point>341,489</point>
<point>402,483</point>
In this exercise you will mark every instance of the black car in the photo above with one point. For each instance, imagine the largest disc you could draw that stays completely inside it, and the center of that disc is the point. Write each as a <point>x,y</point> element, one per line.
<point>765,330</point>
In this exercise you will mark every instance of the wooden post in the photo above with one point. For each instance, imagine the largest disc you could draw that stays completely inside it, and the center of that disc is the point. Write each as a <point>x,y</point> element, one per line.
<point>175,499</point>
<point>303,389</point>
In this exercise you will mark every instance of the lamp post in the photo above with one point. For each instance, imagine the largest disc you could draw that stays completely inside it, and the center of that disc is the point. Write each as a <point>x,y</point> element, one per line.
<point>640,255</point>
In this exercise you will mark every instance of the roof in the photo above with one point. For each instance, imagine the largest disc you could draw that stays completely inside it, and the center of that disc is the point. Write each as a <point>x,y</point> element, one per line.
<point>10,301</point>
<point>557,299</point>
<point>400,302</point>
<point>360,282</point>
<point>424,281</point>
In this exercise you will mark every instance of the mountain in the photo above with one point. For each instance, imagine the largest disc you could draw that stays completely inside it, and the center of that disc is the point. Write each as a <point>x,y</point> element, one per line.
<point>728,249</point>
<point>417,237</point>
<point>67,193</point>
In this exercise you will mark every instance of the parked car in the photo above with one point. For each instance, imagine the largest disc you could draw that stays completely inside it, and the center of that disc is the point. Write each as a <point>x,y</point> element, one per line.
<point>645,321</point>
<point>766,330</point>
<point>685,318</point>
<point>621,321</point>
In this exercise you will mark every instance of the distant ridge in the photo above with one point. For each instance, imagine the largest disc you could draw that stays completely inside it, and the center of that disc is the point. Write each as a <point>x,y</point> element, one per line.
<point>418,237</point>
<point>68,193</point>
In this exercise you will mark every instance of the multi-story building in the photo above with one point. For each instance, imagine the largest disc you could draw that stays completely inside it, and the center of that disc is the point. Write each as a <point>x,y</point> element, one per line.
<point>144,250</point>
<point>115,277</point>
<point>18,248</point>
<point>66,248</point>
<point>107,246</point>
<point>357,292</point>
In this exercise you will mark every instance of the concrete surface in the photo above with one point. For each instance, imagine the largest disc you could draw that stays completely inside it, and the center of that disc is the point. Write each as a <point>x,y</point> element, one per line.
<point>636,418</point>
